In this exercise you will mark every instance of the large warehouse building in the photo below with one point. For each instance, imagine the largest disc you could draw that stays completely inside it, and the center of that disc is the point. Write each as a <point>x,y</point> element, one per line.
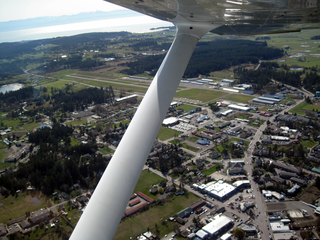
<point>257,100</point>
<point>217,227</point>
<point>218,189</point>
<point>170,121</point>
<point>238,108</point>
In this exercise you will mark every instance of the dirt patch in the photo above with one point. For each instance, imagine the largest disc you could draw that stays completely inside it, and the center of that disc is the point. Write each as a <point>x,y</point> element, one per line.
<point>310,195</point>
<point>276,206</point>
<point>35,200</point>
<point>295,214</point>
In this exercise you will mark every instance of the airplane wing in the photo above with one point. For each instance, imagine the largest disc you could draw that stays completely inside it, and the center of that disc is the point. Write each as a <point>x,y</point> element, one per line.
<point>236,17</point>
<point>193,19</point>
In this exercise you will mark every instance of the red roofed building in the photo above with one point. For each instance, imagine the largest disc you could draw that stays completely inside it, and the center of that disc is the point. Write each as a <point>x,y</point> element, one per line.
<point>145,197</point>
<point>134,202</point>
<point>135,209</point>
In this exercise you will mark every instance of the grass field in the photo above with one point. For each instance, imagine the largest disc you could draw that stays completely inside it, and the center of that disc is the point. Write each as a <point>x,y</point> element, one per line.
<point>193,149</point>
<point>166,133</point>
<point>238,98</point>
<point>186,107</point>
<point>308,143</point>
<point>17,207</point>
<point>146,180</point>
<point>115,86</point>
<point>139,223</point>
<point>211,170</point>
<point>106,150</point>
<point>200,94</point>
<point>303,107</point>
<point>61,84</point>
<point>77,122</point>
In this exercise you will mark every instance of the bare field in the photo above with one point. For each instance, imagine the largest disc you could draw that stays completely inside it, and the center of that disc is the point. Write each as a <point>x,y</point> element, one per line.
<point>276,206</point>
<point>310,195</point>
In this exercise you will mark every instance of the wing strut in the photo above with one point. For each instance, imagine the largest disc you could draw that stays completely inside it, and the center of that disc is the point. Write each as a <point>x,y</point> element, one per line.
<point>107,205</point>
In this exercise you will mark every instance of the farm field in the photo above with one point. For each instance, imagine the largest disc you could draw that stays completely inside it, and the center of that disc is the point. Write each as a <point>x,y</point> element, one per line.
<point>186,107</point>
<point>166,133</point>
<point>15,207</point>
<point>305,107</point>
<point>200,94</point>
<point>238,98</point>
<point>140,222</point>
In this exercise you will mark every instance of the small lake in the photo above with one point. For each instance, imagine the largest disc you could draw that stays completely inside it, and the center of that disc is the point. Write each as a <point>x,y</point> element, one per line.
<point>10,87</point>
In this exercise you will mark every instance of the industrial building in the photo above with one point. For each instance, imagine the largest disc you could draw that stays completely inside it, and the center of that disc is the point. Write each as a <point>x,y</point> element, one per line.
<point>197,83</point>
<point>238,108</point>
<point>279,138</point>
<point>218,189</point>
<point>126,98</point>
<point>270,99</point>
<point>248,92</point>
<point>257,100</point>
<point>202,118</point>
<point>218,226</point>
<point>170,121</point>
<point>227,81</point>
<point>230,90</point>
<point>274,96</point>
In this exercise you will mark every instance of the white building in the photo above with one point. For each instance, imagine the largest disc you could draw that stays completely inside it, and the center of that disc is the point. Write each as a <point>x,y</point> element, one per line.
<point>170,121</point>
<point>218,189</point>
<point>218,226</point>
<point>238,108</point>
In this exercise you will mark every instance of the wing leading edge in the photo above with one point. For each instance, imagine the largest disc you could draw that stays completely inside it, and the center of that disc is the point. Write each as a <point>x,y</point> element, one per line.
<point>235,17</point>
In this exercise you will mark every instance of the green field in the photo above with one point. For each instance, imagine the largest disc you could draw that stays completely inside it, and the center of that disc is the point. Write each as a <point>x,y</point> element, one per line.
<point>303,107</point>
<point>200,94</point>
<point>146,180</point>
<point>193,149</point>
<point>166,133</point>
<point>115,86</point>
<point>238,98</point>
<point>140,222</point>
<point>106,150</point>
<point>15,207</point>
<point>211,170</point>
<point>308,143</point>
<point>186,107</point>
<point>77,122</point>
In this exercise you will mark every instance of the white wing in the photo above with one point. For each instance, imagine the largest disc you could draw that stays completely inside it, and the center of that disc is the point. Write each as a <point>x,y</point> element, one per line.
<point>193,18</point>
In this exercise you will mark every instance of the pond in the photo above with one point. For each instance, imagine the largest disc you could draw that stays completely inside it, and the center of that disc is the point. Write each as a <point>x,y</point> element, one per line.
<point>10,87</point>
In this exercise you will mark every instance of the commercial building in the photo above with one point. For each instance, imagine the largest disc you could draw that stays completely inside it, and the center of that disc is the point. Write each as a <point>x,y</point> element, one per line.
<point>257,100</point>
<point>218,226</point>
<point>170,121</point>
<point>230,90</point>
<point>248,92</point>
<point>227,81</point>
<point>126,98</point>
<point>218,189</point>
<point>279,138</point>
<point>238,108</point>
<point>270,99</point>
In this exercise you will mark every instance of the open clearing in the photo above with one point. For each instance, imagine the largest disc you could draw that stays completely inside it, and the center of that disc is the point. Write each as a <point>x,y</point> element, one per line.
<point>15,207</point>
<point>140,222</point>
<point>302,108</point>
<point>166,133</point>
<point>310,195</point>
<point>200,94</point>
<point>276,206</point>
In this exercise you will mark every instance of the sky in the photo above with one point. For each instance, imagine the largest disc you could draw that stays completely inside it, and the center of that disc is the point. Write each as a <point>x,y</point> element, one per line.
<point>25,9</point>
<point>58,18</point>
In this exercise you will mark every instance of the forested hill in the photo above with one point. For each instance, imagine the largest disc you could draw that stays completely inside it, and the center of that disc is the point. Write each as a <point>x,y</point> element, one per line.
<point>212,56</point>
<point>15,49</point>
